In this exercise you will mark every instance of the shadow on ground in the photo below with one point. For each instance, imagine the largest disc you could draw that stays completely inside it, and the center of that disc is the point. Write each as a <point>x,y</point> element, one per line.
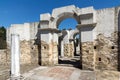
<point>74,62</point>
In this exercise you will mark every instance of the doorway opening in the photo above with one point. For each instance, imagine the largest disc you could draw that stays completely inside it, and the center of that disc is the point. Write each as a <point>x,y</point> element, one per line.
<point>68,49</point>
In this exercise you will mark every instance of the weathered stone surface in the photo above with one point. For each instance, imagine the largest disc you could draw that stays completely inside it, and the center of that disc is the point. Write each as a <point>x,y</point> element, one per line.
<point>107,75</point>
<point>49,53</point>
<point>87,75</point>
<point>44,52</point>
<point>101,54</point>
<point>29,52</point>
<point>55,53</point>
<point>87,55</point>
<point>106,52</point>
<point>25,56</point>
<point>34,52</point>
<point>68,50</point>
<point>4,57</point>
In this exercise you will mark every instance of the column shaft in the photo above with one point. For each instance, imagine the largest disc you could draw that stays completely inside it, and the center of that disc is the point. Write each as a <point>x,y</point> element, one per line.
<point>62,49</point>
<point>15,56</point>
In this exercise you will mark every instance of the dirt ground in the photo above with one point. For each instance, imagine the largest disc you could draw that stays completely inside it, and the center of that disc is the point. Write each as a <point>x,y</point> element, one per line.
<point>5,70</point>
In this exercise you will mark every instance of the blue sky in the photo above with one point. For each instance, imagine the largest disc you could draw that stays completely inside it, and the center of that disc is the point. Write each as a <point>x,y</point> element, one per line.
<point>20,11</point>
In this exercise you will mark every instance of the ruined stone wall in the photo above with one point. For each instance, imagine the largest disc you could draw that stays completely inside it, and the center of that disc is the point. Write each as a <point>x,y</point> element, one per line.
<point>26,31</point>
<point>87,55</point>
<point>4,57</point>
<point>25,56</point>
<point>101,54</point>
<point>55,53</point>
<point>44,50</point>
<point>49,53</point>
<point>29,52</point>
<point>68,50</point>
<point>106,52</point>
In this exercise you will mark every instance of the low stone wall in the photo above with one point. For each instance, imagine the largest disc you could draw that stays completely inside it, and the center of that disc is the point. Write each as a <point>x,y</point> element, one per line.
<point>101,54</point>
<point>4,57</point>
<point>29,52</point>
<point>25,55</point>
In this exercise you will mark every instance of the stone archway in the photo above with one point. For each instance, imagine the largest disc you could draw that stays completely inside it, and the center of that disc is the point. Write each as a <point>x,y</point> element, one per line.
<point>60,14</point>
<point>57,18</point>
<point>73,33</point>
<point>49,28</point>
<point>49,24</point>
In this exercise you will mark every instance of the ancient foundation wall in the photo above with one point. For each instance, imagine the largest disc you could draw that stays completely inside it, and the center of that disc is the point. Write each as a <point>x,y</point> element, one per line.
<point>68,50</point>
<point>4,57</point>
<point>49,53</point>
<point>106,52</point>
<point>28,53</point>
<point>87,55</point>
<point>102,54</point>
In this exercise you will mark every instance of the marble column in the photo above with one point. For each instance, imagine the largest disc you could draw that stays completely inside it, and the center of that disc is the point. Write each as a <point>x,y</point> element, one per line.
<point>15,57</point>
<point>62,49</point>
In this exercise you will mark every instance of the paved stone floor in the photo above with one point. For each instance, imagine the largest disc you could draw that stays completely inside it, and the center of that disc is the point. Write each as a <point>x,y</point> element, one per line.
<point>68,73</point>
<point>53,73</point>
<point>5,70</point>
<point>68,69</point>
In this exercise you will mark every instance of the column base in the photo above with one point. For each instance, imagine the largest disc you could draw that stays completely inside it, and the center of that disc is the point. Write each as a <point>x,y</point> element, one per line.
<point>15,78</point>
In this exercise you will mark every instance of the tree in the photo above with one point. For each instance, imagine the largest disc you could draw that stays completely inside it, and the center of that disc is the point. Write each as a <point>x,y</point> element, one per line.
<point>2,37</point>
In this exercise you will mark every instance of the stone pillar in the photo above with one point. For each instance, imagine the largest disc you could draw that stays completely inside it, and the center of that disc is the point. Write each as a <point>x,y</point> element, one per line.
<point>87,46</point>
<point>62,49</point>
<point>15,57</point>
<point>49,46</point>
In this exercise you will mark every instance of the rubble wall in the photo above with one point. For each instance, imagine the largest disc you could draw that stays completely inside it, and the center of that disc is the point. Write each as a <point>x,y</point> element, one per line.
<point>68,50</point>
<point>106,52</point>
<point>4,57</point>
<point>29,52</point>
<point>101,54</point>
<point>87,56</point>
<point>49,53</point>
